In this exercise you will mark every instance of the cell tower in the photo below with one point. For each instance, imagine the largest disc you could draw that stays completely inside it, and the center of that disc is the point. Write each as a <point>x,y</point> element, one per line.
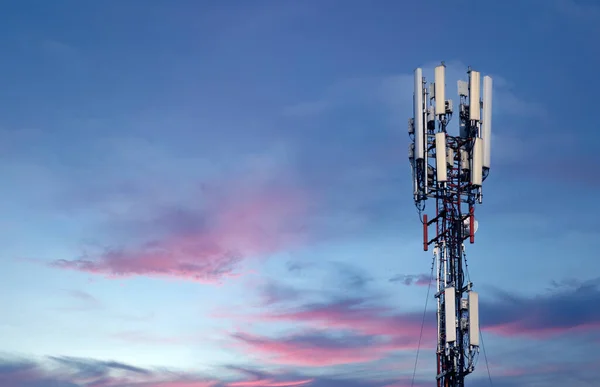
<point>450,171</point>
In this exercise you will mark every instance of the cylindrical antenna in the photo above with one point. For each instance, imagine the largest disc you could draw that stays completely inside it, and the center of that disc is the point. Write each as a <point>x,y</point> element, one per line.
<point>476,163</point>
<point>450,315</point>
<point>474,96</point>
<point>440,90</point>
<point>486,124</point>
<point>440,157</point>
<point>418,115</point>
<point>473,319</point>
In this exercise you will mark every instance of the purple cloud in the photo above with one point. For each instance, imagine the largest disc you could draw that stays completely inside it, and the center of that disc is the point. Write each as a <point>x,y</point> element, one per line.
<point>206,246</point>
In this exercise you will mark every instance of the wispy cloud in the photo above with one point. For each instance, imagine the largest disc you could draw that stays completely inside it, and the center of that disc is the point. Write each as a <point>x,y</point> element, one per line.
<point>412,279</point>
<point>83,301</point>
<point>357,316</point>
<point>272,292</point>
<point>269,383</point>
<point>386,94</point>
<point>75,372</point>
<point>316,349</point>
<point>541,316</point>
<point>567,373</point>
<point>350,277</point>
<point>390,90</point>
<point>347,92</point>
<point>562,311</point>
<point>342,279</point>
<point>207,244</point>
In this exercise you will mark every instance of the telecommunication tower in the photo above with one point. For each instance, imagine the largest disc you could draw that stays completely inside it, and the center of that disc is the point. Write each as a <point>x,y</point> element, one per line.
<point>450,170</point>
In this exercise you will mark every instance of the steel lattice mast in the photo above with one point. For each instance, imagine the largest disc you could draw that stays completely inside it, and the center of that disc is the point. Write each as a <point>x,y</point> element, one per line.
<point>450,171</point>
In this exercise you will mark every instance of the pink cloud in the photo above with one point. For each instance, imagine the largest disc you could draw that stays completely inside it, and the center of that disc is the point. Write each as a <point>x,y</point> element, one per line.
<point>19,374</point>
<point>208,246</point>
<point>197,383</point>
<point>269,383</point>
<point>315,350</point>
<point>565,310</point>
<point>351,316</point>
<point>92,373</point>
<point>404,384</point>
<point>538,331</point>
<point>547,370</point>
<point>347,332</point>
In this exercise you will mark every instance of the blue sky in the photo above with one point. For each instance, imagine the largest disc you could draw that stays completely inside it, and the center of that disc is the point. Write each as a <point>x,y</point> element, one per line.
<point>218,192</point>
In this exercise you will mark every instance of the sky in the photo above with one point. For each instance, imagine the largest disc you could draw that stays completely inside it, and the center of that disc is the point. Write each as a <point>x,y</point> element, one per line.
<point>217,193</point>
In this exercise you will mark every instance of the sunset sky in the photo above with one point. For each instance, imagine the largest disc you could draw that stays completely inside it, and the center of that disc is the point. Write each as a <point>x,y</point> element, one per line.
<point>217,193</point>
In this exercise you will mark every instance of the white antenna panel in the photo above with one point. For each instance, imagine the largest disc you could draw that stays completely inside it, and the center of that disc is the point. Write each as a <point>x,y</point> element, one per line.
<point>418,115</point>
<point>486,125</point>
<point>430,114</point>
<point>474,96</point>
<point>476,162</point>
<point>463,88</point>
<point>440,90</point>
<point>473,319</point>
<point>440,157</point>
<point>450,318</point>
<point>450,157</point>
<point>464,159</point>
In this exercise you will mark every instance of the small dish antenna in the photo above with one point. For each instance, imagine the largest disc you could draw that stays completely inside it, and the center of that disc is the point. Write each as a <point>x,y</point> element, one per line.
<point>467,226</point>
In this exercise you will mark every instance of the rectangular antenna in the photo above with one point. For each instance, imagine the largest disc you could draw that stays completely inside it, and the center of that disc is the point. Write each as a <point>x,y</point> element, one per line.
<point>440,90</point>
<point>473,318</point>
<point>418,115</point>
<point>463,88</point>
<point>411,157</point>
<point>464,159</point>
<point>476,162</point>
<point>486,125</point>
<point>440,157</point>
<point>474,96</point>
<point>450,157</point>
<point>430,118</point>
<point>450,314</point>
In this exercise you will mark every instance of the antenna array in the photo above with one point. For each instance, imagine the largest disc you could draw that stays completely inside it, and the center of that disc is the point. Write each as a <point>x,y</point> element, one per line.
<point>450,170</point>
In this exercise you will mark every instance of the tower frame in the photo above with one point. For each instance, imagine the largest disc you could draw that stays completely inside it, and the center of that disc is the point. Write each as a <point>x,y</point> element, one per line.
<point>449,170</point>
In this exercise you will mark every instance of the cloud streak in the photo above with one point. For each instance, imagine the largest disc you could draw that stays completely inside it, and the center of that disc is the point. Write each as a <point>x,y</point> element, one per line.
<point>376,330</point>
<point>206,245</point>
<point>83,301</point>
<point>77,372</point>
<point>355,316</point>
<point>316,349</point>
<point>412,279</point>
<point>567,309</point>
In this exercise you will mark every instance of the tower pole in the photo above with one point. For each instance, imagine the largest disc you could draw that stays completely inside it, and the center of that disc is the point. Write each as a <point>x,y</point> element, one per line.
<point>449,171</point>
